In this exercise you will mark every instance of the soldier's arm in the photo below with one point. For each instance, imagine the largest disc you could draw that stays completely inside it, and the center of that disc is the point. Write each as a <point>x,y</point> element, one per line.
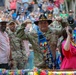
<point>57,30</point>
<point>32,37</point>
<point>20,33</point>
<point>33,40</point>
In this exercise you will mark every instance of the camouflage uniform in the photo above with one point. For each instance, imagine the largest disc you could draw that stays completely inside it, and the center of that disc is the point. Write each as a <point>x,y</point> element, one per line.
<point>32,37</point>
<point>52,37</point>
<point>18,53</point>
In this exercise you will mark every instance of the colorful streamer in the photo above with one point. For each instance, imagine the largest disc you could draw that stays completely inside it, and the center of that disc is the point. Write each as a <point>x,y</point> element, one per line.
<point>35,72</point>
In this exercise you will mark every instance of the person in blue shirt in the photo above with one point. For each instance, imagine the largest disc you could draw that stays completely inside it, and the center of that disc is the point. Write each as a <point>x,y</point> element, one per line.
<point>14,15</point>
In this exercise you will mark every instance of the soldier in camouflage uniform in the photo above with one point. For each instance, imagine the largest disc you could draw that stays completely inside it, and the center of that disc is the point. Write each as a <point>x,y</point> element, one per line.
<point>18,53</point>
<point>51,36</point>
<point>51,33</point>
<point>27,40</point>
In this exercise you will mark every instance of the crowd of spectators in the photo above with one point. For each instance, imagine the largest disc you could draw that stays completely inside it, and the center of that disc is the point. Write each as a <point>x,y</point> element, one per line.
<point>20,10</point>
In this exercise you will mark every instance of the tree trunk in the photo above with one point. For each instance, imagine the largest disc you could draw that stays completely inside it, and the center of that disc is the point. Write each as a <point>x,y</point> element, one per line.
<point>75,9</point>
<point>72,6</point>
<point>65,1</point>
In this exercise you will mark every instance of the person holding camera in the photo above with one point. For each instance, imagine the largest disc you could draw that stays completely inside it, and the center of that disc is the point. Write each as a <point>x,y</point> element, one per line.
<point>68,50</point>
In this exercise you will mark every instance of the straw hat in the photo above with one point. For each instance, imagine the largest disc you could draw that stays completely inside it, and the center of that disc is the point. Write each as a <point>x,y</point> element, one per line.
<point>27,21</point>
<point>3,22</point>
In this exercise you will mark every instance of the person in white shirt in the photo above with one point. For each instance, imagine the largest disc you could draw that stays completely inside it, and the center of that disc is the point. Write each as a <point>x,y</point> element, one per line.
<point>5,53</point>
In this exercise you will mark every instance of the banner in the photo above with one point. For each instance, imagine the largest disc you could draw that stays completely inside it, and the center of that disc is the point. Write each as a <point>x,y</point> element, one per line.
<point>35,72</point>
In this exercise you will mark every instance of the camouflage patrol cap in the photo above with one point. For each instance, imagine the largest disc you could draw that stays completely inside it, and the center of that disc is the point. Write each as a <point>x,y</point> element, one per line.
<point>11,22</point>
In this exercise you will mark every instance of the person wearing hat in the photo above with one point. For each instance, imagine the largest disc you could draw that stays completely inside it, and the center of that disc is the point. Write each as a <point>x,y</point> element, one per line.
<point>23,34</point>
<point>50,34</point>
<point>18,54</point>
<point>28,46</point>
<point>71,13</point>
<point>70,17</point>
<point>5,51</point>
<point>71,22</point>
